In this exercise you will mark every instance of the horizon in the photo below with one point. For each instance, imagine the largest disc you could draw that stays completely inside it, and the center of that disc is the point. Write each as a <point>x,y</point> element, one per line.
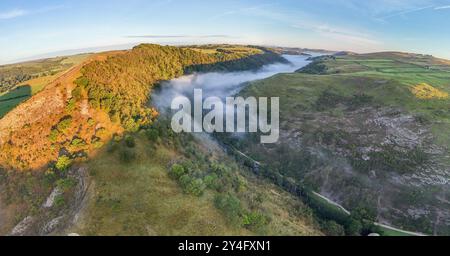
<point>125,47</point>
<point>49,27</point>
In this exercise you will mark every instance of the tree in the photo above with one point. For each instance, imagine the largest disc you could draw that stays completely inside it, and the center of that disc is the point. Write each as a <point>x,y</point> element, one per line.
<point>332,228</point>
<point>354,228</point>
<point>63,163</point>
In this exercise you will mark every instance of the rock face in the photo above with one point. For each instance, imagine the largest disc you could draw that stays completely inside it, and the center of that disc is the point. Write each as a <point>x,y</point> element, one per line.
<point>23,227</point>
<point>380,158</point>
<point>51,198</point>
<point>44,222</point>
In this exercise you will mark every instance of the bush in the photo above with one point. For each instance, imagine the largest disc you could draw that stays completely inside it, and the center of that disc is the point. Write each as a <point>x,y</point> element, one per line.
<point>129,141</point>
<point>71,105</point>
<point>211,181</point>
<point>53,137</point>
<point>332,228</point>
<point>230,206</point>
<point>184,181</point>
<point>176,171</point>
<point>91,122</point>
<point>60,201</point>
<point>65,184</point>
<point>254,220</point>
<point>112,147</point>
<point>152,134</point>
<point>63,163</point>
<point>77,93</point>
<point>127,155</point>
<point>97,144</point>
<point>77,142</point>
<point>196,187</point>
<point>354,228</point>
<point>64,123</point>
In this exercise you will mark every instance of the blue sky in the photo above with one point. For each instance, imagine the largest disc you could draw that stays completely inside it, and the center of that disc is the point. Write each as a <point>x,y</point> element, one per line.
<point>33,28</point>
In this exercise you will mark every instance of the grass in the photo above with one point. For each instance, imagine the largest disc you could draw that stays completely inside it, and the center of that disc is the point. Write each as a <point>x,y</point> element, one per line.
<point>139,198</point>
<point>391,232</point>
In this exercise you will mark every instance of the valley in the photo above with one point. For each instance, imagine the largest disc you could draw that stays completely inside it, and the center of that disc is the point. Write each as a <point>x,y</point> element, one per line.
<point>89,150</point>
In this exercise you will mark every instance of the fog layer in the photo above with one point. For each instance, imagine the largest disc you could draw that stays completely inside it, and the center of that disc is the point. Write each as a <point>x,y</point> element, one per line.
<point>220,84</point>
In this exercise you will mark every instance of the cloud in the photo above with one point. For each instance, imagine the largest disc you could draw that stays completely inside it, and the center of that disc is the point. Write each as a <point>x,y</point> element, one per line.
<point>340,34</point>
<point>12,14</point>
<point>418,9</point>
<point>178,36</point>
<point>16,13</point>
<point>245,10</point>
<point>442,7</point>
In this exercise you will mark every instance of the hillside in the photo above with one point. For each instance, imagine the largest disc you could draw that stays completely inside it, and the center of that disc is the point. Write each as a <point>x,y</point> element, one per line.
<point>104,95</point>
<point>72,159</point>
<point>368,131</point>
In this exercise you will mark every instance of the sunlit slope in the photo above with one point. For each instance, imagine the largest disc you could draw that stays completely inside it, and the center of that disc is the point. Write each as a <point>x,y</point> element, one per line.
<point>105,94</point>
<point>365,131</point>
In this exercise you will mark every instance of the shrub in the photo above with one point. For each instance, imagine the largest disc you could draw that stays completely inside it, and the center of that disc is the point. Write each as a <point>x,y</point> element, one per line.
<point>254,220</point>
<point>176,171</point>
<point>60,201</point>
<point>112,147</point>
<point>196,187</point>
<point>185,181</point>
<point>129,141</point>
<point>82,81</point>
<point>64,123</point>
<point>77,93</point>
<point>97,144</point>
<point>127,155</point>
<point>332,228</point>
<point>53,137</point>
<point>91,122</point>
<point>211,181</point>
<point>63,163</point>
<point>101,132</point>
<point>65,184</point>
<point>77,142</point>
<point>354,228</point>
<point>152,134</point>
<point>230,206</point>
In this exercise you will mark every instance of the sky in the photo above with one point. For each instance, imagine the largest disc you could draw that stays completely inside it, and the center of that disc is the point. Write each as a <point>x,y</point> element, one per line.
<point>35,28</point>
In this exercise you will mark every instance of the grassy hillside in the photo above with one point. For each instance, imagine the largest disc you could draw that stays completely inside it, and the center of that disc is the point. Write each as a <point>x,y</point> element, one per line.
<point>135,193</point>
<point>368,131</point>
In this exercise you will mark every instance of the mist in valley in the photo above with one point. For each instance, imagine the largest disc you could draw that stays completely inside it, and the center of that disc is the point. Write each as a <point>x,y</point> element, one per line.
<point>220,85</point>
